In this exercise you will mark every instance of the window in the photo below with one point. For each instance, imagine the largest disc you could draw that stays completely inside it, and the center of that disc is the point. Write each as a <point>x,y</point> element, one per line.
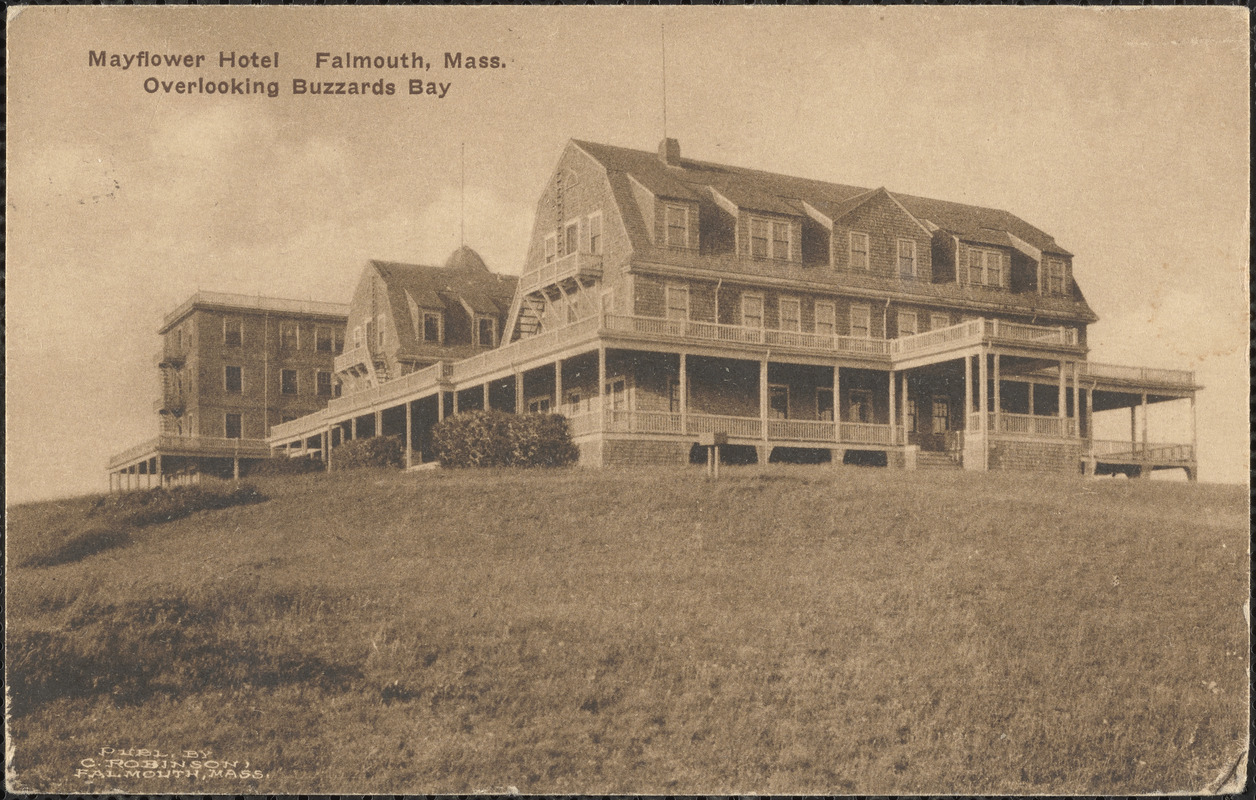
<point>752,310</point>
<point>233,426</point>
<point>572,239</point>
<point>861,321</point>
<point>907,325</point>
<point>322,339</point>
<point>323,381</point>
<point>573,401</point>
<point>769,238</point>
<point>485,331</point>
<point>595,233</point>
<point>778,401</point>
<point>911,415</point>
<point>860,408</point>
<point>824,404</point>
<point>287,381</point>
<point>939,321</point>
<point>233,380</point>
<point>941,415</point>
<point>677,301</point>
<point>432,326</point>
<point>826,317</point>
<point>551,247</point>
<point>791,314</point>
<point>1057,282</point>
<point>907,258</point>
<point>539,405</point>
<point>985,267</point>
<point>858,250</point>
<point>677,226</point>
<point>617,394</point>
<point>233,332</point>
<point>289,335</point>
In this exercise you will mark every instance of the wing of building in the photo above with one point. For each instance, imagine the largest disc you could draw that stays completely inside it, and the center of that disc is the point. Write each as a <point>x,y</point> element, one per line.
<point>665,299</point>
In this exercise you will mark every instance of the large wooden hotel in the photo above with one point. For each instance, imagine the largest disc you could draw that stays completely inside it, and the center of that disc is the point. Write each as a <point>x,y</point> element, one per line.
<point>663,299</point>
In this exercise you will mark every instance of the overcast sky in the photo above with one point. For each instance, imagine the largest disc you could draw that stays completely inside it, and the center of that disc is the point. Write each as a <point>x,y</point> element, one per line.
<point>1122,132</point>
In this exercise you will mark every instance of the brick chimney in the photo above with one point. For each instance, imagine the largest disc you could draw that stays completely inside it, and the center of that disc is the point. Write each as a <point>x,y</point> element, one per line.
<point>669,152</point>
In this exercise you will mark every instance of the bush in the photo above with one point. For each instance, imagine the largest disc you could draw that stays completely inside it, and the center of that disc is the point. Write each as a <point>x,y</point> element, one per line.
<point>286,466</point>
<point>167,504</point>
<point>498,439</point>
<point>377,451</point>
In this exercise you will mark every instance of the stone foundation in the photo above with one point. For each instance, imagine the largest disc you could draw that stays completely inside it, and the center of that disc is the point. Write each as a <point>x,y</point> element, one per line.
<point>627,453</point>
<point>1038,456</point>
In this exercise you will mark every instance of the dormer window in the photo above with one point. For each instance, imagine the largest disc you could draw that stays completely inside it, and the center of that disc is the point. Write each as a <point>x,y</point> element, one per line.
<point>985,267</point>
<point>677,226</point>
<point>907,258</point>
<point>433,327</point>
<point>769,238</point>
<point>485,331</point>
<point>1056,276</point>
<point>858,250</point>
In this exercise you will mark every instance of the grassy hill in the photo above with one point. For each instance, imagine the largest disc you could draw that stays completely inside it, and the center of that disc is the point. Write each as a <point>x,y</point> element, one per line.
<point>783,630</point>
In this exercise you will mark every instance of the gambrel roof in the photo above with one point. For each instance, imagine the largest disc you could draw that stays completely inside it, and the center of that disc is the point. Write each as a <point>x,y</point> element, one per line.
<point>766,191</point>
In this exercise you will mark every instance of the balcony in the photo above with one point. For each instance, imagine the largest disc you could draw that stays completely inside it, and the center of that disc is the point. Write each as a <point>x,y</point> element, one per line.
<point>1140,376</point>
<point>210,446</point>
<point>1025,425</point>
<point>572,265</point>
<point>690,330</point>
<point>170,356</point>
<point>985,331</point>
<point>351,358</point>
<point>1126,452</point>
<point>170,404</point>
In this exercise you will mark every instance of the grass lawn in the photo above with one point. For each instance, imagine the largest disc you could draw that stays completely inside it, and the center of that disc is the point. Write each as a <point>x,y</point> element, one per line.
<point>783,630</point>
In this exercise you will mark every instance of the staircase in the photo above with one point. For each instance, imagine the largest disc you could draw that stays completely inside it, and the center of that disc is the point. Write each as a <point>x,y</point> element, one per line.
<point>926,459</point>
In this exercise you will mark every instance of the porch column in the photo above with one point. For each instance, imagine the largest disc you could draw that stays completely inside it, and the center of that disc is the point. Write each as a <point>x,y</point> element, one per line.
<point>968,388</point>
<point>1144,423</point>
<point>683,388</point>
<point>903,408</point>
<point>1133,429</point>
<point>235,468</point>
<point>327,449</point>
<point>1194,438</point>
<point>1090,417</point>
<point>893,390</point>
<point>409,434</point>
<point>558,383</point>
<point>763,397</point>
<point>159,475</point>
<point>440,404</point>
<point>837,403</point>
<point>455,394</point>
<point>519,392</point>
<point>353,428</point>
<point>1062,401</point>
<point>487,405</point>
<point>1031,398</point>
<point>379,422</point>
<point>998,395</point>
<point>982,370</point>
<point>1077,408</point>
<point>601,387</point>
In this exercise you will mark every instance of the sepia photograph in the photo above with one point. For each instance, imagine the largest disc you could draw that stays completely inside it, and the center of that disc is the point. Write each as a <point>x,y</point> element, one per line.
<point>627,400</point>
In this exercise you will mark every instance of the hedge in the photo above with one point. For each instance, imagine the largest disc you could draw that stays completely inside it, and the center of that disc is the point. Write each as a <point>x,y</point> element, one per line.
<point>375,451</point>
<point>498,439</point>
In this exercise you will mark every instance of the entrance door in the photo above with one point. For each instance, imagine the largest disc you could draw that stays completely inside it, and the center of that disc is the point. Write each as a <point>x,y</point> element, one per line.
<point>938,422</point>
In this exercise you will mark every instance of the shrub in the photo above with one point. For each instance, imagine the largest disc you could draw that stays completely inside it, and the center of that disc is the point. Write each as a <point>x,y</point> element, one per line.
<point>286,466</point>
<point>377,451</point>
<point>498,439</point>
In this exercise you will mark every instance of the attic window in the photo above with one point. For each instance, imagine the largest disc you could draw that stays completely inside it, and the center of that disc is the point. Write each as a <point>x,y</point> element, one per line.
<point>485,331</point>
<point>858,250</point>
<point>1056,276</point>
<point>907,258</point>
<point>432,327</point>
<point>677,226</point>
<point>769,238</point>
<point>985,267</point>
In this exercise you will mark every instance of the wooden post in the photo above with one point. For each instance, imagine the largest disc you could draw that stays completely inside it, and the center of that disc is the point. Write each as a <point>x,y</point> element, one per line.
<point>159,474</point>
<point>1090,417</point>
<point>763,397</point>
<point>601,387</point>
<point>327,449</point>
<point>353,428</point>
<point>893,388</point>
<point>1060,399</point>
<point>683,389</point>
<point>558,383</point>
<point>968,389</point>
<point>982,371</point>
<point>1133,429</point>
<point>902,406</point>
<point>837,403</point>
<point>1077,409</point>
<point>1144,424</point>
<point>519,392</point>
<point>409,436</point>
<point>998,395</point>
<point>440,404</point>
<point>379,422</point>
<point>1194,432</point>
<point>455,401</point>
<point>488,406</point>
<point>235,468</point>
<point>1031,398</point>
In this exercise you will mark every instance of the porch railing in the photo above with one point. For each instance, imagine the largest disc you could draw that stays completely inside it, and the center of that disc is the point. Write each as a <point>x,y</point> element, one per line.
<point>1120,372</point>
<point>204,445</point>
<point>1024,425</point>
<point>1119,450</point>
<point>571,265</point>
<point>691,424</point>
<point>977,330</point>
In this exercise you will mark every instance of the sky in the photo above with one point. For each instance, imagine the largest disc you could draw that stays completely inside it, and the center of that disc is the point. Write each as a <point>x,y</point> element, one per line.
<point>1124,133</point>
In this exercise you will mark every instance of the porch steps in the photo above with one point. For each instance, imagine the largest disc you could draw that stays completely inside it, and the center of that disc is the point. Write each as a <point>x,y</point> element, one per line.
<point>930,460</point>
